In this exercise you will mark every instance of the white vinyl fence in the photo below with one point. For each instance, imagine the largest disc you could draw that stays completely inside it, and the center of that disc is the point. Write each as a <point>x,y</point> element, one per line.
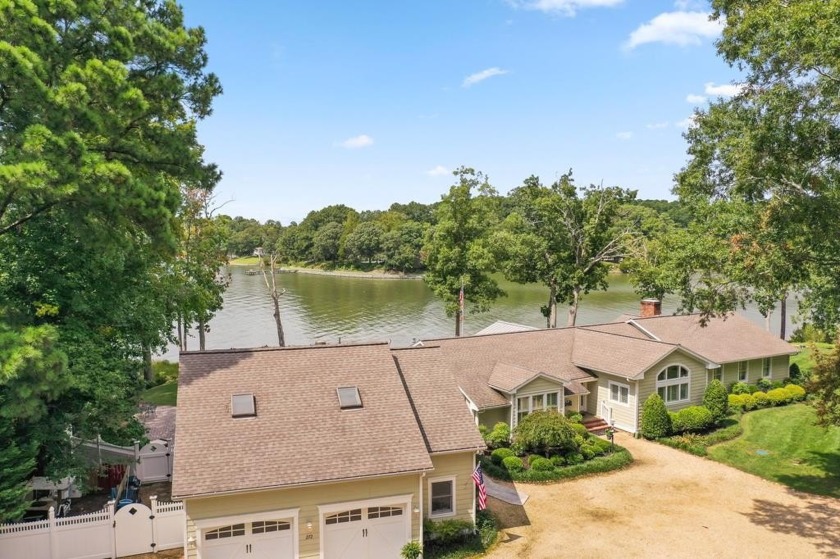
<point>133,529</point>
<point>152,462</point>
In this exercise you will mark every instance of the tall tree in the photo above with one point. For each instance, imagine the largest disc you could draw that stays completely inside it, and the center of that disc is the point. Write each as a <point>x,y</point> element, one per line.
<point>564,237</point>
<point>457,253</point>
<point>274,293</point>
<point>99,103</point>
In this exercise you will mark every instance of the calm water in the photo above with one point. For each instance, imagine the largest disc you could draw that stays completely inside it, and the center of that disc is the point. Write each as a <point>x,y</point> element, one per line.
<point>332,309</point>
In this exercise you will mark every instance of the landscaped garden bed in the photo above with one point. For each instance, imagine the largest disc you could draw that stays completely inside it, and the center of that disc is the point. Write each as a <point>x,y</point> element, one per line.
<point>546,446</point>
<point>456,539</point>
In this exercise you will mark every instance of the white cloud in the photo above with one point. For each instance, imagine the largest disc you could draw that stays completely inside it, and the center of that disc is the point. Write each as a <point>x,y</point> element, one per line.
<point>624,135</point>
<point>686,122</point>
<point>675,28</point>
<point>357,142</point>
<point>564,7</point>
<point>438,171</point>
<point>657,125</point>
<point>724,89</point>
<point>695,99</point>
<point>473,79</point>
<point>686,5</point>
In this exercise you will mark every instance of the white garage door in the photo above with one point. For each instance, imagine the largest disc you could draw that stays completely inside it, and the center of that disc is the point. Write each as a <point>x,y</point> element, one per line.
<point>371,532</point>
<point>265,539</point>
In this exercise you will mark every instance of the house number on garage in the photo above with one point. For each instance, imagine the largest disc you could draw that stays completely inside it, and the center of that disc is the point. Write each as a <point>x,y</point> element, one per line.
<point>309,536</point>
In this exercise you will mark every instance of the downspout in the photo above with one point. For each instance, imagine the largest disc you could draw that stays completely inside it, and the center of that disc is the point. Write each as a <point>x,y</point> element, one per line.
<point>420,498</point>
<point>636,411</point>
<point>472,510</point>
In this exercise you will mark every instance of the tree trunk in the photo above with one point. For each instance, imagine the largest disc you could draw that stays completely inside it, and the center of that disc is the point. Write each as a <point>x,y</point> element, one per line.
<point>201,330</point>
<point>783,317</point>
<point>186,335</point>
<point>281,337</point>
<point>458,323</point>
<point>148,373</point>
<point>573,308</point>
<point>180,333</point>
<point>551,319</point>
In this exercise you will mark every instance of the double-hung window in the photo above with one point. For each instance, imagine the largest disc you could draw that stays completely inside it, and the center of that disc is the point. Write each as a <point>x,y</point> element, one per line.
<point>672,384</point>
<point>442,496</point>
<point>765,367</point>
<point>742,371</point>
<point>619,393</point>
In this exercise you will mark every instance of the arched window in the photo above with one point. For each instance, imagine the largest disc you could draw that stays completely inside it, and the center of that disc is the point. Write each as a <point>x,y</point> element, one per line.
<point>672,384</point>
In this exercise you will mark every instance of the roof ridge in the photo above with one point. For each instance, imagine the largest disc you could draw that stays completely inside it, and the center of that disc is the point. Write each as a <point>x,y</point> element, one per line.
<point>587,329</point>
<point>285,348</point>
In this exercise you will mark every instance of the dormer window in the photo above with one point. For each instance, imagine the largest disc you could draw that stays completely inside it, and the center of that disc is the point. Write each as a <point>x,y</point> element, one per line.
<point>243,405</point>
<point>349,398</point>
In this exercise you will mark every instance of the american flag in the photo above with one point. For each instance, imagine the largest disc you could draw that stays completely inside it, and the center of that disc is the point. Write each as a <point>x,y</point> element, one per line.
<point>478,478</point>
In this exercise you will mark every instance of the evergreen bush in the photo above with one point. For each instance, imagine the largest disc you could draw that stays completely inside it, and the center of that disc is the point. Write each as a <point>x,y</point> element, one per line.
<point>500,454</point>
<point>655,421</point>
<point>544,433</point>
<point>716,400</point>
<point>513,464</point>
<point>499,437</point>
<point>693,419</point>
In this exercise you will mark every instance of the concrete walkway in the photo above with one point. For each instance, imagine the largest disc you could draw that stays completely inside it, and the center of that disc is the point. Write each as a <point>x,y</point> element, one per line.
<point>505,491</point>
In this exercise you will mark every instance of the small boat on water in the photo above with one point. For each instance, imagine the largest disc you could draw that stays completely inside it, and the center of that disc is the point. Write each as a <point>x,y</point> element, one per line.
<point>252,272</point>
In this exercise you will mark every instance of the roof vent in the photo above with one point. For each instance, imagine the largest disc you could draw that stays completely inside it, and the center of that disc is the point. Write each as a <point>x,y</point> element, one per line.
<point>348,397</point>
<point>242,405</point>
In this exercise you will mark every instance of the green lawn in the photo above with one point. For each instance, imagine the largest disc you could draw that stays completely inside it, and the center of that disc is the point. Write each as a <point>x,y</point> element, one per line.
<point>805,358</point>
<point>246,261</point>
<point>783,444</point>
<point>161,395</point>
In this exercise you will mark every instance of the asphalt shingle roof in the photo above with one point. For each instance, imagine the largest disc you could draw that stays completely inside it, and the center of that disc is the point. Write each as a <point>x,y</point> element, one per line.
<point>299,434</point>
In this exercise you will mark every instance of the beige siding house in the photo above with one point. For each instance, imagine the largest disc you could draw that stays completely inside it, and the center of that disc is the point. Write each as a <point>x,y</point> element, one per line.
<point>607,371</point>
<point>324,451</point>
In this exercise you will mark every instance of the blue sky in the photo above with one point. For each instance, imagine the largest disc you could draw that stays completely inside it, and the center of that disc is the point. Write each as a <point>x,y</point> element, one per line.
<point>369,102</point>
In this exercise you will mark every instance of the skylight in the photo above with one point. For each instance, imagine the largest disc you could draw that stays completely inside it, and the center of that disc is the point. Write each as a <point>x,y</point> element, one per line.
<point>242,405</point>
<point>348,397</point>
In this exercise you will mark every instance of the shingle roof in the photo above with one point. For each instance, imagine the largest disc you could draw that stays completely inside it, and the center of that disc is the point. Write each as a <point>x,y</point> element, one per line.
<point>620,355</point>
<point>443,414</point>
<point>299,434</point>
<point>508,378</point>
<point>720,340</point>
<point>474,358</point>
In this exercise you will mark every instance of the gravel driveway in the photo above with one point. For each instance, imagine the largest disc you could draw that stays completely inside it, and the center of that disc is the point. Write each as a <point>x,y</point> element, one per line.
<point>668,504</point>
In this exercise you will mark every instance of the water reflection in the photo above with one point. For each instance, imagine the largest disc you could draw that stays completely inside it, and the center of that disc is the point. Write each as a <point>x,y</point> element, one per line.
<point>332,309</point>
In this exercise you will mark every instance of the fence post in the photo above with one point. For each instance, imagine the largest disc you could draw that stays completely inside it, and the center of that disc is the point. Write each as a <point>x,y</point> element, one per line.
<point>136,466</point>
<point>112,509</point>
<point>53,546</point>
<point>154,503</point>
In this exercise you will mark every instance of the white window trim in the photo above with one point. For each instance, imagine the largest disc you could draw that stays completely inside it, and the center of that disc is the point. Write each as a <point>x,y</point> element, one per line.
<point>746,371</point>
<point>620,385</point>
<point>454,511</point>
<point>769,372</point>
<point>561,403</point>
<point>674,382</point>
<point>205,524</point>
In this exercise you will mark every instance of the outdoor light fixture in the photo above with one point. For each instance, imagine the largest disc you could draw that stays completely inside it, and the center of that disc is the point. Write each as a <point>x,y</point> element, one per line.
<point>416,510</point>
<point>309,525</point>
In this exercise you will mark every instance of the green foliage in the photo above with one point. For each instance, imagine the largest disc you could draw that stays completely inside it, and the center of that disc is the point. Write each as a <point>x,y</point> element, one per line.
<point>558,460</point>
<point>794,372</point>
<point>570,257</point>
<point>796,392</point>
<point>544,432</point>
<point>513,464</point>
<point>693,419</point>
<point>574,458</point>
<point>764,384</point>
<point>655,420</point>
<point>824,384</point>
<point>809,333</point>
<point>761,399</point>
<point>411,550</point>
<point>165,371</point>
<point>572,467</point>
<point>161,395</point>
<point>500,454</point>
<point>574,416</point>
<point>730,428</point>
<point>468,544</point>
<point>446,532</point>
<point>540,464</point>
<point>499,436</point>
<point>17,462</point>
<point>779,397</point>
<point>580,430</point>
<point>457,252</point>
<point>740,388</point>
<point>716,400</point>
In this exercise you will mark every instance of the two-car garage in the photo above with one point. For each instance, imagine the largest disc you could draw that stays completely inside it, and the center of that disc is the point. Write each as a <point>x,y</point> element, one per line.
<point>369,529</point>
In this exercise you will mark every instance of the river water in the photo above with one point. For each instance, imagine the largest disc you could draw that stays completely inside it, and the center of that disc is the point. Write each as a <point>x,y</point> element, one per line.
<point>332,309</point>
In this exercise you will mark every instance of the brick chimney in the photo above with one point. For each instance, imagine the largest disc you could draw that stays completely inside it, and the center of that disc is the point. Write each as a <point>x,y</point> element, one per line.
<point>650,307</point>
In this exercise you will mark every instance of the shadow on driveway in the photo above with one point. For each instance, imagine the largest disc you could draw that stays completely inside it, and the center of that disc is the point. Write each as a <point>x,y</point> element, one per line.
<point>814,521</point>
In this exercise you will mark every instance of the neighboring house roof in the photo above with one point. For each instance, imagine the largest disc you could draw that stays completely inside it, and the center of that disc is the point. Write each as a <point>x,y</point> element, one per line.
<point>727,340</point>
<point>502,327</point>
<point>444,417</point>
<point>474,358</point>
<point>299,435</point>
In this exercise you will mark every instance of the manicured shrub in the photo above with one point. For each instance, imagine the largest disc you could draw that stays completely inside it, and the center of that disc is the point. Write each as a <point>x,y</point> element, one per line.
<point>513,464</point>
<point>761,400</point>
<point>794,372</point>
<point>574,458</point>
<point>446,532</point>
<point>544,432</point>
<point>779,383</point>
<point>588,452</point>
<point>655,421</point>
<point>500,454</point>
<point>579,429</point>
<point>796,392</point>
<point>542,465</point>
<point>749,402</point>
<point>740,388</point>
<point>693,419</point>
<point>779,396</point>
<point>558,461</point>
<point>764,384</point>
<point>574,416</point>
<point>736,402</point>
<point>603,445</point>
<point>533,458</point>
<point>716,400</point>
<point>499,437</point>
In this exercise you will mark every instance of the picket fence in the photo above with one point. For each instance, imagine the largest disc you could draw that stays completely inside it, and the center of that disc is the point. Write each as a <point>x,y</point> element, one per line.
<point>131,530</point>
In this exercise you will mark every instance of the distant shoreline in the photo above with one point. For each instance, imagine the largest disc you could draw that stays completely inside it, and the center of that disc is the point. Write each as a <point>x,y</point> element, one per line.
<point>254,263</point>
